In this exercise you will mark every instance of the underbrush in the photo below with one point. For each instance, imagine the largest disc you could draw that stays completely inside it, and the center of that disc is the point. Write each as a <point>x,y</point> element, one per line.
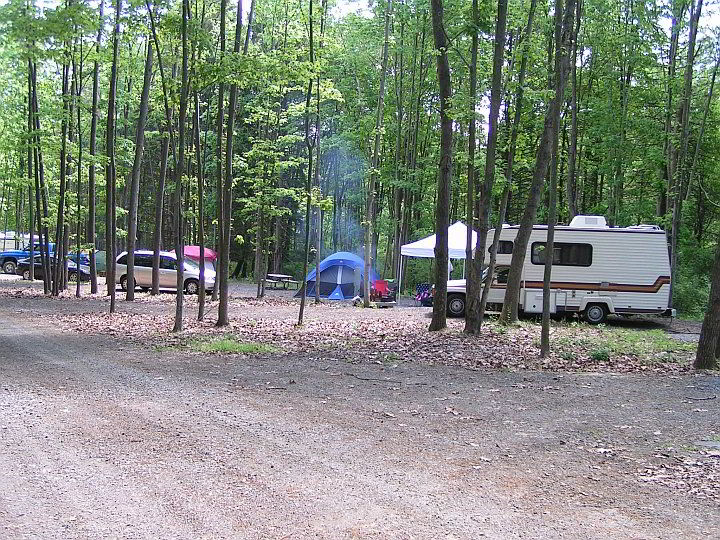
<point>229,345</point>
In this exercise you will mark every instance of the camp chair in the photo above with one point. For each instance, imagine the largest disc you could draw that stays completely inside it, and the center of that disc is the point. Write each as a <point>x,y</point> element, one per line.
<point>379,290</point>
<point>422,293</point>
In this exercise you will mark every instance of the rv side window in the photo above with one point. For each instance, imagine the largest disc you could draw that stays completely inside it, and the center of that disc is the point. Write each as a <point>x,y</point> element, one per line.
<point>565,254</point>
<point>505,247</point>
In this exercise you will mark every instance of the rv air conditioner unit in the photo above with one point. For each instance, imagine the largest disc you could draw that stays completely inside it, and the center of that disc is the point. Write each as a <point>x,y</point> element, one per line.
<point>594,222</point>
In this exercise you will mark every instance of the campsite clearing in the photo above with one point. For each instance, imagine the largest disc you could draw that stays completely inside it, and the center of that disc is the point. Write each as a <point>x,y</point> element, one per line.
<point>112,432</point>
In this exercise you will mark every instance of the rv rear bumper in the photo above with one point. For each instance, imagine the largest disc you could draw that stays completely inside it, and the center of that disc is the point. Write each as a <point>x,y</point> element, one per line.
<point>669,313</point>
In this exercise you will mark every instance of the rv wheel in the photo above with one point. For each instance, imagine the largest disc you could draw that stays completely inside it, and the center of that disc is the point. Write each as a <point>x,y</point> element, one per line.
<point>456,305</point>
<point>595,313</point>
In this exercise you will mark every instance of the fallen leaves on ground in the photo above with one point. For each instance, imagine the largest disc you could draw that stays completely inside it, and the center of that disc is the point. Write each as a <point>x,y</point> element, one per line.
<point>389,337</point>
<point>699,477</point>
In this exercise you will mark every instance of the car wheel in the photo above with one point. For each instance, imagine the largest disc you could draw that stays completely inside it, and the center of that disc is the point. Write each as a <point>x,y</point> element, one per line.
<point>595,313</point>
<point>192,286</point>
<point>26,275</point>
<point>123,283</point>
<point>9,267</point>
<point>72,277</point>
<point>456,305</point>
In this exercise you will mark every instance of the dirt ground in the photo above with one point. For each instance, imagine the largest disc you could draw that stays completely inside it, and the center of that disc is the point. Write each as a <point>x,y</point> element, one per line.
<point>102,435</point>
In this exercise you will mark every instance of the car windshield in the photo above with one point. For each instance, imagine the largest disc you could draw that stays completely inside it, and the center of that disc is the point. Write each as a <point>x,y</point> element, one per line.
<point>192,264</point>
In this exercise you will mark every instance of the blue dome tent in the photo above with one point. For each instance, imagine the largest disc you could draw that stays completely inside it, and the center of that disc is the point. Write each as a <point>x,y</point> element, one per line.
<point>341,277</point>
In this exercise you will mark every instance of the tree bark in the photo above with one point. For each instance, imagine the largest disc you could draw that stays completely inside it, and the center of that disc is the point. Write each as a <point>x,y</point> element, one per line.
<point>474,316</point>
<point>708,346</point>
<point>201,212</point>
<point>442,203</point>
<point>226,225</point>
<point>370,211</point>
<point>110,168</point>
<point>571,186</point>
<point>91,232</point>
<point>60,228</point>
<point>680,169</point>
<point>542,160</point>
<point>511,155</point>
<point>179,171</point>
<point>31,223</point>
<point>472,284</point>
<point>219,124</point>
<point>308,187</point>
<point>135,175</point>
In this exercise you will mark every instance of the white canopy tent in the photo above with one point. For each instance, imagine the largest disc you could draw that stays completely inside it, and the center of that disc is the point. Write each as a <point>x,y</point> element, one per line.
<point>425,247</point>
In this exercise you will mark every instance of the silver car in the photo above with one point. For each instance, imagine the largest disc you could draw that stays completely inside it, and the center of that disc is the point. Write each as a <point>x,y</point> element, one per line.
<point>167,272</point>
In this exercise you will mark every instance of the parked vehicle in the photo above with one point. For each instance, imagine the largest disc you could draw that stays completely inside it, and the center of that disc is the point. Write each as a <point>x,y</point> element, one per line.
<point>9,258</point>
<point>597,270</point>
<point>23,269</point>
<point>168,272</point>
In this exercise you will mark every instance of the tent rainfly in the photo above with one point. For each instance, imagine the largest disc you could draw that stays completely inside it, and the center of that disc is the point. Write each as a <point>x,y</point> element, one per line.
<point>425,247</point>
<point>341,277</point>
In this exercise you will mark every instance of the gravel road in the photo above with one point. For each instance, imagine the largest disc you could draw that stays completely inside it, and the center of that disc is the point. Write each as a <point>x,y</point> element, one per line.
<point>99,438</point>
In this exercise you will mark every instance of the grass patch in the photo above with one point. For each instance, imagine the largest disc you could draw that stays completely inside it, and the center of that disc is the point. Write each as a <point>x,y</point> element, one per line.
<point>605,342</point>
<point>231,345</point>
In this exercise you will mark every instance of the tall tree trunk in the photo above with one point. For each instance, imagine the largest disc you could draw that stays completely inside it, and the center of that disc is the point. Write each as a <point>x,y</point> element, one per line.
<point>562,55</point>
<point>110,168</point>
<point>78,183</point>
<point>707,357</point>
<point>31,223</point>
<point>179,171</point>
<point>219,124</point>
<point>91,232</point>
<point>474,317</point>
<point>680,169</point>
<point>60,228</point>
<point>511,155</point>
<point>542,160</point>
<point>471,281</point>
<point>201,213</point>
<point>226,225</point>
<point>308,186</point>
<point>444,176</point>
<point>571,186</point>
<point>157,237</point>
<point>370,211</point>
<point>135,175</point>
<point>157,231</point>
<point>40,188</point>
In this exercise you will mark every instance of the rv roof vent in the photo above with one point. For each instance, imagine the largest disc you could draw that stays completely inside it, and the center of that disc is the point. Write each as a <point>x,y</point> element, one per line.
<point>645,227</point>
<point>589,221</point>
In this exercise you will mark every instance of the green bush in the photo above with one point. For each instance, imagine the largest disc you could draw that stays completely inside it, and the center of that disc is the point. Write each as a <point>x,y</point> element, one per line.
<point>600,355</point>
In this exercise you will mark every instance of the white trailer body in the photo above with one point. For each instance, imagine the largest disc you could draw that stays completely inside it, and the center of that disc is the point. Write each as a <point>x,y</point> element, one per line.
<point>596,271</point>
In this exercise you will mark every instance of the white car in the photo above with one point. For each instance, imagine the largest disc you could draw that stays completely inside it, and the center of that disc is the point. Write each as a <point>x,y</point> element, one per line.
<point>167,272</point>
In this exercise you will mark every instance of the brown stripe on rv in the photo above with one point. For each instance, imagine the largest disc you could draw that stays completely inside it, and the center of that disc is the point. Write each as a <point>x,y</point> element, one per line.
<point>614,287</point>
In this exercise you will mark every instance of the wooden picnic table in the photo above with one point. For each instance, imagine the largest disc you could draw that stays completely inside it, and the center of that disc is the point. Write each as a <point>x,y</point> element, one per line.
<point>278,280</point>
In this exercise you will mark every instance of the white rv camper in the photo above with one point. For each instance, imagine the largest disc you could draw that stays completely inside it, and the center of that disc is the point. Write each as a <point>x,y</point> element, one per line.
<point>596,270</point>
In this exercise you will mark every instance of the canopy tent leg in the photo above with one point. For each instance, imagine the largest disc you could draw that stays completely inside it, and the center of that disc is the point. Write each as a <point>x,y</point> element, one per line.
<point>400,277</point>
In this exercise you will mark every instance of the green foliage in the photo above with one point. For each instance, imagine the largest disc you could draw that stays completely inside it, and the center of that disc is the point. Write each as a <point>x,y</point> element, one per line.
<point>229,345</point>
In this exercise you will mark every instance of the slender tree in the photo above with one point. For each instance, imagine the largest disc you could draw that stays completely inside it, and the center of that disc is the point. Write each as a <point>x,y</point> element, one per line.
<point>110,167</point>
<point>226,224</point>
<point>370,213</point>
<point>474,316</point>
<point>179,171</point>
<point>91,231</point>
<point>709,344</point>
<point>442,204</point>
<point>135,174</point>
<point>542,161</point>
<point>309,142</point>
